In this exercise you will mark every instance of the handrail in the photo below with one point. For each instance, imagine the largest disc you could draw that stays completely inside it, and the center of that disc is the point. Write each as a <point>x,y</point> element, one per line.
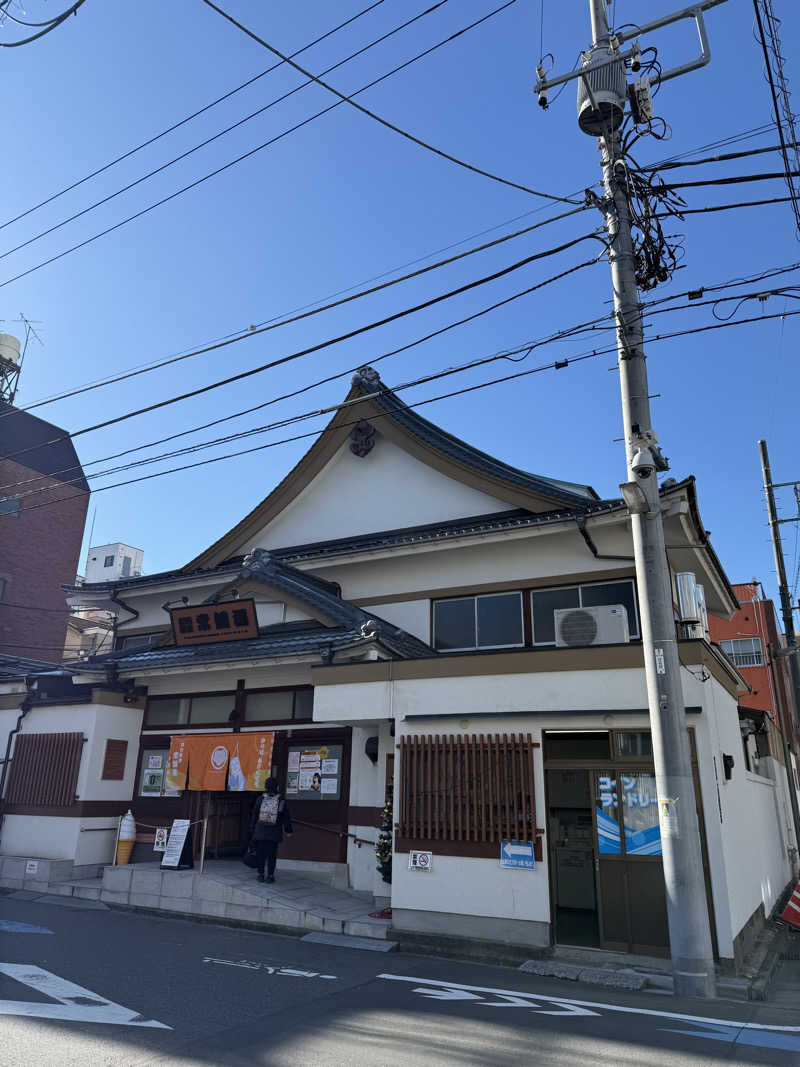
<point>340,833</point>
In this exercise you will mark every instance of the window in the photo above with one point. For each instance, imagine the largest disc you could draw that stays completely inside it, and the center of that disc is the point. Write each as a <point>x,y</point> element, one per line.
<point>166,711</point>
<point>493,620</point>
<point>743,651</point>
<point>545,601</point>
<point>126,566</point>
<point>2,588</point>
<point>139,640</point>
<point>109,561</point>
<point>278,705</point>
<point>633,743</point>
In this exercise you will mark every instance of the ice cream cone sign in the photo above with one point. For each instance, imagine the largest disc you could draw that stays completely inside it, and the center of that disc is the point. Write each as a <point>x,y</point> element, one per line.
<point>127,838</point>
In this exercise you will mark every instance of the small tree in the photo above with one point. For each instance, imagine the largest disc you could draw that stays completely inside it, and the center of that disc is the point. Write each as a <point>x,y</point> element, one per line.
<point>383,848</point>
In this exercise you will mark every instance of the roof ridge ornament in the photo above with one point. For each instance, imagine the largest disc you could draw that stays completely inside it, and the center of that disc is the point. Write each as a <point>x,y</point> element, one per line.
<point>362,438</point>
<point>256,558</point>
<point>366,376</point>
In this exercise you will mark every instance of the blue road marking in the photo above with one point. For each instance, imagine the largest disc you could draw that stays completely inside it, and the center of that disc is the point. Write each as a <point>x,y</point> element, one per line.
<point>8,926</point>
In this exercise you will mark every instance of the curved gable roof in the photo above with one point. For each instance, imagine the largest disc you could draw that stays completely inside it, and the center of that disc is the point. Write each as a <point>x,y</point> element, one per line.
<point>370,400</point>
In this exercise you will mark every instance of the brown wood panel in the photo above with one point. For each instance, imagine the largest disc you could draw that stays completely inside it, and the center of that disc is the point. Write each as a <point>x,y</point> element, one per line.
<point>114,761</point>
<point>44,770</point>
<point>364,816</point>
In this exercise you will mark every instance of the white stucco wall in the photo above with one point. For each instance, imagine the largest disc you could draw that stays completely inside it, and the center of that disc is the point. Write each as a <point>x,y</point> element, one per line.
<point>413,616</point>
<point>42,837</point>
<point>386,489</point>
<point>366,790</point>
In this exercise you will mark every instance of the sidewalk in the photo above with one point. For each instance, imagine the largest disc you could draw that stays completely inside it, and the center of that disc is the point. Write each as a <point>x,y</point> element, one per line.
<point>228,890</point>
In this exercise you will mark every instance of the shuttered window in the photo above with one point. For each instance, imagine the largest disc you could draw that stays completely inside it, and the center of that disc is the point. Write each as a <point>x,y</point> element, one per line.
<point>44,770</point>
<point>114,762</point>
<point>465,795</point>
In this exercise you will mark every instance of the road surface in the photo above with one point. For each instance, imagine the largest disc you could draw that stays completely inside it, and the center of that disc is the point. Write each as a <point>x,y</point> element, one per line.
<point>81,984</point>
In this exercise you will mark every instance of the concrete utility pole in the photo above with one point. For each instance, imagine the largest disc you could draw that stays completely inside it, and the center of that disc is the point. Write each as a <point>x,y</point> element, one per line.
<point>780,567</point>
<point>601,107</point>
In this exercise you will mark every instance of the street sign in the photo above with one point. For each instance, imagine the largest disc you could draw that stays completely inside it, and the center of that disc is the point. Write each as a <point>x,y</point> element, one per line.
<point>517,854</point>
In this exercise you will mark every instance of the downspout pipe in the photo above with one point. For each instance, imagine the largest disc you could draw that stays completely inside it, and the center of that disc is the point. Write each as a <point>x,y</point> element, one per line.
<point>125,607</point>
<point>24,708</point>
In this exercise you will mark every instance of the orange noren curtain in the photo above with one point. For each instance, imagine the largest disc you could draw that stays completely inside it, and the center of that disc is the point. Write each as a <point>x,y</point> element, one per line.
<point>215,761</point>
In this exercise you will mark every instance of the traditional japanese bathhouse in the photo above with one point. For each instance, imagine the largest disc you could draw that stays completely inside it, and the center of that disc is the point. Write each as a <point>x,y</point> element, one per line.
<point>405,617</point>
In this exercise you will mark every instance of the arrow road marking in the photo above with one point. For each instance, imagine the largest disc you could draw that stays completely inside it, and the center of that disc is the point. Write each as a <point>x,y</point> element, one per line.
<point>74,1003</point>
<point>763,1034</point>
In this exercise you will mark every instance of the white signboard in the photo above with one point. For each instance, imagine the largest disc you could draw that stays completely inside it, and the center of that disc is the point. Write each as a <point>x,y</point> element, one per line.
<point>32,867</point>
<point>177,839</point>
<point>420,861</point>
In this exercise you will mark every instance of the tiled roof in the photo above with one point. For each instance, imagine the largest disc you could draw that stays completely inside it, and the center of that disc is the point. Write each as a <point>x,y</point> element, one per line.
<point>15,668</point>
<point>351,626</point>
<point>570,492</point>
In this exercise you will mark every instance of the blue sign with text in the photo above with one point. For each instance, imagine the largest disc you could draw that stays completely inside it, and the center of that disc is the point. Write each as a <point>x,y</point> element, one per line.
<point>517,854</point>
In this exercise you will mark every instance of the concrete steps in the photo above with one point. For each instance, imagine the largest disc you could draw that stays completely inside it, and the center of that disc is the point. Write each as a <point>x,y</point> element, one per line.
<point>229,891</point>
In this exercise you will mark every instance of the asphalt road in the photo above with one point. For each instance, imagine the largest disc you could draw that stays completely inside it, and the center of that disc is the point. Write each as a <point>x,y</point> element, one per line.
<point>92,986</point>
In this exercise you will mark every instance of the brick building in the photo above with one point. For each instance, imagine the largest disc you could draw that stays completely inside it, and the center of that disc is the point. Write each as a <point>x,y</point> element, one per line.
<point>752,640</point>
<point>44,497</point>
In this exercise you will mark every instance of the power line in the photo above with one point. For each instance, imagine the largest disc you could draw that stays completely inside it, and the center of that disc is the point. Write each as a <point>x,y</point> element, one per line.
<point>432,301</point>
<point>527,348</point>
<point>48,27</point>
<point>723,158</point>
<point>693,295</point>
<point>734,179</point>
<point>303,315</point>
<point>259,148</point>
<point>221,133</point>
<point>555,365</point>
<point>378,118</point>
<point>183,121</point>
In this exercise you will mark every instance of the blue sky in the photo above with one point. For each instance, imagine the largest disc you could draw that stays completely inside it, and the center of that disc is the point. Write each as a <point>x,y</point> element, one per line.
<point>344,199</point>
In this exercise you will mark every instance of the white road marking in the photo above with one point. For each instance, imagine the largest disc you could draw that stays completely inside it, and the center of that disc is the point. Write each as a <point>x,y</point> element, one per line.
<point>573,1003</point>
<point>75,1004</point>
<point>253,965</point>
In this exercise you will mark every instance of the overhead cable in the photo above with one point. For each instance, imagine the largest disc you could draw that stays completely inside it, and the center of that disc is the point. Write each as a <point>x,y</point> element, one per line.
<point>378,118</point>
<point>259,148</point>
<point>183,121</point>
<point>432,301</point>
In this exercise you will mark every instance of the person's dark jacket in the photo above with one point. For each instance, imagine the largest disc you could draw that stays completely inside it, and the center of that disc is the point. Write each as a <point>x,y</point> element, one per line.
<point>260,831</point>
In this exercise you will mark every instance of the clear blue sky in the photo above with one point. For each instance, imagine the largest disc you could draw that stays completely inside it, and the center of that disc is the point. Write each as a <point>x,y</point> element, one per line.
<point>344,199</point>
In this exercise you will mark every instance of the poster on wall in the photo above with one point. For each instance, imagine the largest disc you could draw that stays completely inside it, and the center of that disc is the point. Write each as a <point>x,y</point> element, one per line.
<point>314,773</point>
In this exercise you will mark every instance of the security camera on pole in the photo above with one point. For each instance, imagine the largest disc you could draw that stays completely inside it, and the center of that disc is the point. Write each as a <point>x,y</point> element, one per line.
<point>603,95</point>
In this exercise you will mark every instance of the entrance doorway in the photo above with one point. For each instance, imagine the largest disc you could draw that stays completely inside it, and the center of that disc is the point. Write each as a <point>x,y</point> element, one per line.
<point>607,880</point>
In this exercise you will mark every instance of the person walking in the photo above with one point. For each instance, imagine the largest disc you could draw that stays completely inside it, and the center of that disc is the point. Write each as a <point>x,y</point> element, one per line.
<point>269,821</point>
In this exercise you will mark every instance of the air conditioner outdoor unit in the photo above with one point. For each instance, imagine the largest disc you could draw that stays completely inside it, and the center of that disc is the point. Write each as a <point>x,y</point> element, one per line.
<point>579,627</point>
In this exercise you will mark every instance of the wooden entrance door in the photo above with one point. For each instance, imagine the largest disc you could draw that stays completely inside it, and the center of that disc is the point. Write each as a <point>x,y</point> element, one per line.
<point>304,762</point>
<point>632,904</point>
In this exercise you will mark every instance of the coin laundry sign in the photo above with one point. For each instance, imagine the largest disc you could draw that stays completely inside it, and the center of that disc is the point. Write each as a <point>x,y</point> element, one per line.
<point>200,625</point>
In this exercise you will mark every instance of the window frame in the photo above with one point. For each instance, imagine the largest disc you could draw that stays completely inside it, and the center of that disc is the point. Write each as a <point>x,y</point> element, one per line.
<point>188,724</point>
<point>475,597</point>
<point>635,635</point>
<point>108,561</point>
<point>245,722</point>
<point>731,653</point>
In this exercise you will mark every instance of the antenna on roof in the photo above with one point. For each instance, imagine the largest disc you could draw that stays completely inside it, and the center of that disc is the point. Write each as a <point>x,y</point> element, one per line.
<point>12,356</point>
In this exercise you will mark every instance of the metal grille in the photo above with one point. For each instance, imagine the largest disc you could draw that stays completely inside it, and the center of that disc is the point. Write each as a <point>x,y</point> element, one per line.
<point>467,788</point>
<point>44,770</point>
<point>114,762</point>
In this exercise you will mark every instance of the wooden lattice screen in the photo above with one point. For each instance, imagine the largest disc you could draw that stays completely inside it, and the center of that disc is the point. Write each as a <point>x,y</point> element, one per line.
<point>114,762</point>
<point>467,789</point>
<point>44,770</point>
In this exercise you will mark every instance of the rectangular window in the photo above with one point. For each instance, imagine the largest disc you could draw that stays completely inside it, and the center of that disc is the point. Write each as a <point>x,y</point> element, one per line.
<point>139,640</point>
<point>167,711</point>
<point>2,588</point>
<point>545,601</point>
<point>126,566</point>
<point>468,789</point>
<point>109,561</point>
<point>492,620</point>
<point>633,743</point>
<point>272,706</point>
<point>211,709</point>
<point>743,651</point>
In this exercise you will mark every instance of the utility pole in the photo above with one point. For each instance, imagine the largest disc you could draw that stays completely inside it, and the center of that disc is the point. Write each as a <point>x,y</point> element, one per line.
<point>780,567</point>
<point>602,90</point>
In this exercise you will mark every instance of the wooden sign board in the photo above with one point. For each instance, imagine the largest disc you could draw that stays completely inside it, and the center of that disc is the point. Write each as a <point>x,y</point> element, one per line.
<point>176,843</point>
<point>203,624</point>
